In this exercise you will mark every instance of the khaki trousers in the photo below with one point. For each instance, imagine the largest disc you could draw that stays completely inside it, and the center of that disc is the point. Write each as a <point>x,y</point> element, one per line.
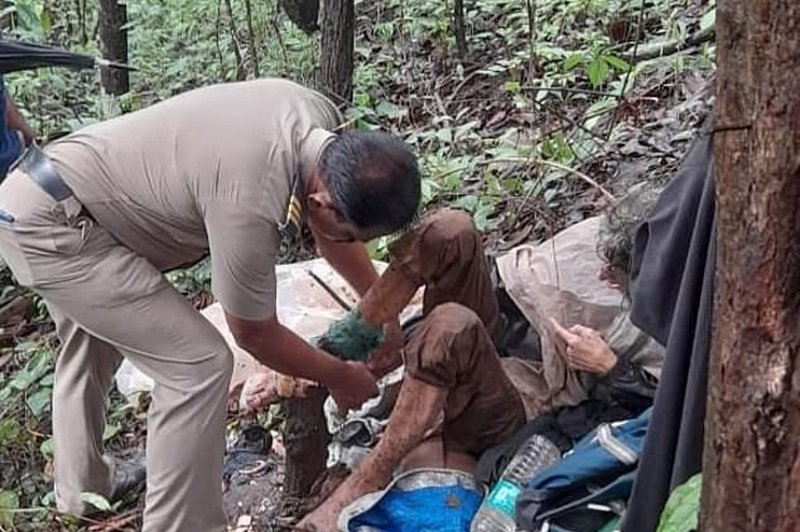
<point>108,303</point>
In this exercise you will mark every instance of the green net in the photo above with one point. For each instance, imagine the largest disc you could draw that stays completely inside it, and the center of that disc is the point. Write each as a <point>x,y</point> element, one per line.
<point>351,338</point>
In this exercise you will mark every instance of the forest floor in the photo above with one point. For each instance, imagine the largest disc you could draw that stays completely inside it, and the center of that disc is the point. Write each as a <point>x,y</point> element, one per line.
<point>531,131</point>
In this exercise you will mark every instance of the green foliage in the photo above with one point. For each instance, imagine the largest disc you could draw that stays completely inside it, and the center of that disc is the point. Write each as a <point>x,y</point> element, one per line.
<point>682,509</point>
<point>98,501</point>
<point>193,280</point>
<point>9,501</point>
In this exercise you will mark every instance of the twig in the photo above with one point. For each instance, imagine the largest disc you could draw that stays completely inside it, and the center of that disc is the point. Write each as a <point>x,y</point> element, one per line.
<point>696,39</point>
<point>331,292</point>
<point>567,89</point>
<point>535,160</point>
<point>600,140</point>
<point>460,86</point>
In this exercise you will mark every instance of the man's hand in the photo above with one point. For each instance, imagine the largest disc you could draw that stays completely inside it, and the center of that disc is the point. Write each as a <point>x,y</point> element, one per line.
<point>268,387</point>
<point>354,385</point>
<point>389,355</point>
<point>586,349</point>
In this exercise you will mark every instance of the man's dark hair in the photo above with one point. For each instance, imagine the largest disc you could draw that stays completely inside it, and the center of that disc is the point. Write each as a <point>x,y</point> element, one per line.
<point>373,179</point>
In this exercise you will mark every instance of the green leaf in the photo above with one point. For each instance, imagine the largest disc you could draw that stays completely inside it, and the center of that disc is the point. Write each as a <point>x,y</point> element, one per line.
<point>389,110</point>
<point>598,72</point>
<point>709,19</point>
<point>572,61</point>
<point>445,135</point>
<point>111,431</point>
<point>617,62</point>
<point>682,508</point>
<point>9,501</point>
<point>98,501</point>
<point>39,401</point>
<point>9,431</point>
<point>48,447</point>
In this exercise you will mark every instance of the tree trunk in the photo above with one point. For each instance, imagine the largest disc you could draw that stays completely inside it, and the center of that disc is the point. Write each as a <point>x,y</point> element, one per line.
<point>336,54</point>
<point>459,29</point>
<point>304,13</point>
<point>114,44</point>
<point>306,440</point>
<point>751,462</point>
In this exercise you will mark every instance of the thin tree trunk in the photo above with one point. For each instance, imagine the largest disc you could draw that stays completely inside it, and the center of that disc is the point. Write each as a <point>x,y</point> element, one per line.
<point>459,29</point>
<point>237,53</point>
<point>304,13</point>
<point>751,462</point>
<point>337,50</point>
<point>306,440</point>
<point>253,44</point>
<point>114,44</point>
<point>80,10</point>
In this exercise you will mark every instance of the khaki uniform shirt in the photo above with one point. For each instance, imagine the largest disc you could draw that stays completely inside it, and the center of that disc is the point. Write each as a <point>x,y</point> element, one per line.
<point>205,172</point>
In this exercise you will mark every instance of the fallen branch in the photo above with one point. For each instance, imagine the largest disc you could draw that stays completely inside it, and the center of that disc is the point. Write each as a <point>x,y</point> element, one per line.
<point>665,49</point>
<point>577,173</point>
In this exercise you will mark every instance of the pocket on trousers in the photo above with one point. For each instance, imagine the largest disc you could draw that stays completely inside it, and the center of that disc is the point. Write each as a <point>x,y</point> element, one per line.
<point>14,257</point>
<point>71,230</point>
<point>70,238</point>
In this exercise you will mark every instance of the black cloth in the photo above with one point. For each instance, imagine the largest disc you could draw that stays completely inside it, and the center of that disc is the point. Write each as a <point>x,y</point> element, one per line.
<point>19,55</point>
<point>563,426</point>
<point>672,291</point>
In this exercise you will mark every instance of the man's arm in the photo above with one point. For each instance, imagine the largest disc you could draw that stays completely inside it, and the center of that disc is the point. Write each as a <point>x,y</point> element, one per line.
<point>352,262</point>
<point>15,120</point>
<point>350,259</point>
<point>280,349</point>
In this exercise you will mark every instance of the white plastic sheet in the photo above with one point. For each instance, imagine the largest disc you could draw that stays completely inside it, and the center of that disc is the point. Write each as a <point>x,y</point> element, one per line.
<point>302,305</point>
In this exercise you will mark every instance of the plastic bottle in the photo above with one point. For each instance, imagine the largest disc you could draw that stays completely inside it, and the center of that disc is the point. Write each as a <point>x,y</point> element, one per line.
<point>497,511</point>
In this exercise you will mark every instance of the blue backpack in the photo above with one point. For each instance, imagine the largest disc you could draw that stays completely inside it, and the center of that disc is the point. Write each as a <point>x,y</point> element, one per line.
<point>586,491</point>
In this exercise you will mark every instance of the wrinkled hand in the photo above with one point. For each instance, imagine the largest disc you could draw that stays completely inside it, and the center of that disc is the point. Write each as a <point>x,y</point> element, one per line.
<point>389,355</point>
<point>586,349</point>
<point>354,385</point>
<point>268,387</point>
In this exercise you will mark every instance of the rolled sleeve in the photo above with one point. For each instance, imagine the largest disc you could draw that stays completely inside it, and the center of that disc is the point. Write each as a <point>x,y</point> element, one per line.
<point>243,244</point>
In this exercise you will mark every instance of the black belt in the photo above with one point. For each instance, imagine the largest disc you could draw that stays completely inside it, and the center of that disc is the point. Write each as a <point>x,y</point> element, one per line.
<point>40,169</point>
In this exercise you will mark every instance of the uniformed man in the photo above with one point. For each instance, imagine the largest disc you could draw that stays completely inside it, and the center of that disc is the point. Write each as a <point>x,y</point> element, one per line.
<point>93,221</point>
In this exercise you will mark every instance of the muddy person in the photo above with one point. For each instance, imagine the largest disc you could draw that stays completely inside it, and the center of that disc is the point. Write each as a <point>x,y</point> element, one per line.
<point>456,399</point>
<point>97,217</point>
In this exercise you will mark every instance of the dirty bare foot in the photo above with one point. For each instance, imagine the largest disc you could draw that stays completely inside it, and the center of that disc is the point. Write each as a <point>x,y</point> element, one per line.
<point>323,519</point>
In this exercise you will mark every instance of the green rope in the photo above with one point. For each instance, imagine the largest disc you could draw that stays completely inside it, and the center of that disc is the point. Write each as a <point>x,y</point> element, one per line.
<point>351,338</point>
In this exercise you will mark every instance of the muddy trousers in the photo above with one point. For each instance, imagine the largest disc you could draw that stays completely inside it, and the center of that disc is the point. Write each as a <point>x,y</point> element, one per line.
<point>452,347</point>
<point>109,302</point>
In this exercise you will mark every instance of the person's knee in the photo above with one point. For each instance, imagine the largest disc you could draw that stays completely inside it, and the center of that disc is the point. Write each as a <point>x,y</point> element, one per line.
<point>446,345</point>
<point>216,368</point>
<point>452,319</point>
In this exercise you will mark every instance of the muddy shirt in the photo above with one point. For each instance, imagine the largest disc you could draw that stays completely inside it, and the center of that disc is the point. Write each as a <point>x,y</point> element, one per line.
<point>208,171</point>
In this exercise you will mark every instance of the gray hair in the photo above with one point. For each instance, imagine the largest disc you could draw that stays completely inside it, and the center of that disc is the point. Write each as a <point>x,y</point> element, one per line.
<point>619,225</point>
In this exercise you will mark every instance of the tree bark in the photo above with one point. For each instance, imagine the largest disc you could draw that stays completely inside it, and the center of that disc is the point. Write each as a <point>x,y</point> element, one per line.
<point>253,45</point>
<point>337,49</point>
<point>304,13</point>
<point>306,440</point>
<point>114,44</point>
<point>751,462</point>
<point>459,29</point>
